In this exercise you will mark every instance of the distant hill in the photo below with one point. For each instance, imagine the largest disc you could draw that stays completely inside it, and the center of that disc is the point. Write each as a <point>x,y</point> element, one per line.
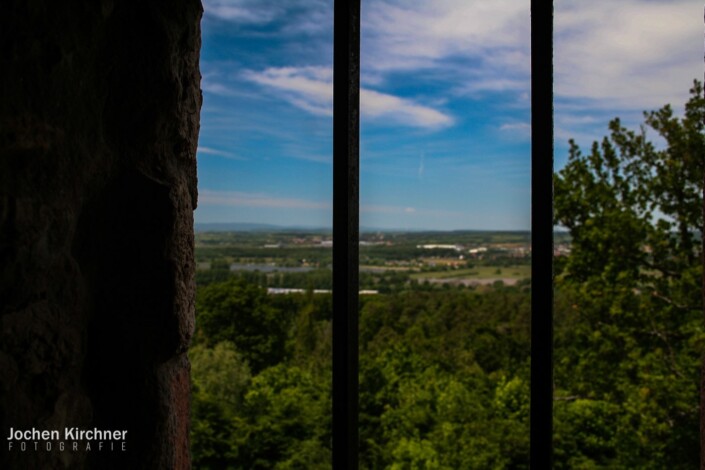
<point>260,227</point>
<point>253,227</point>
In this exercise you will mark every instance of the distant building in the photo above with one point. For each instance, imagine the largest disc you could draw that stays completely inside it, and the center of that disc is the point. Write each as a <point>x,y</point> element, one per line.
<point>562,249</point>
<point>440,247</point>
<point>289,290</point>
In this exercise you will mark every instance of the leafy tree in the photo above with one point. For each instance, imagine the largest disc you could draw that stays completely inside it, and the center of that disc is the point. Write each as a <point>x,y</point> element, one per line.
<point>241,313</point>
<point>219,374</point>
<point>219,378</point>
<point>285,421</point>
<point>629,305</point>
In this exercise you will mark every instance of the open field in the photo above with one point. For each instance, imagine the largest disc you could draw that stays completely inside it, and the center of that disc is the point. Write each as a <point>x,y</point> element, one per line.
<point>479,272</point>
<point>388,261</point>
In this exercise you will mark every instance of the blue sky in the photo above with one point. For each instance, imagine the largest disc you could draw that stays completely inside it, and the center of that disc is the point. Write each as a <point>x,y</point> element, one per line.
<point>445,111</point>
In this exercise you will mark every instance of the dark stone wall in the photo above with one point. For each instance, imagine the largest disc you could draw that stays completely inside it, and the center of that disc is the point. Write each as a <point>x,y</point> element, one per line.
<point>99,116</point>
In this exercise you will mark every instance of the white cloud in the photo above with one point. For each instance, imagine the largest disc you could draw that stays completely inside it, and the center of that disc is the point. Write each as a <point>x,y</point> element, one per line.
<point>630,54</point>
<point>633,41</point>
<point>635,54</point>
<point>407,210</point>
<point>243,199</point>
<point>219,153</point>
<point>325,159</point>
<point>309,17</point>
<point>483,44</point>
<point>242,11</point>
<point>619,59</point>
<point>409,34</point>
<point>374,104</point>
<point>311,89</point>
<point>522,129</point>
<point>308,88</point>
<point>216,88</point>
<point>484,83</point>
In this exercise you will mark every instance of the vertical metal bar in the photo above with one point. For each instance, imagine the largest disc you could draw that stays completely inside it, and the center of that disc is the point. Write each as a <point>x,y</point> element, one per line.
<point>346,125</point>
<point>702,367</point>
<point>541,233</point>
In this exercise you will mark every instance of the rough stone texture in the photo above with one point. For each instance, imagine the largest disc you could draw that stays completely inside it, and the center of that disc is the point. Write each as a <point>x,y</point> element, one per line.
<point>99,113</point>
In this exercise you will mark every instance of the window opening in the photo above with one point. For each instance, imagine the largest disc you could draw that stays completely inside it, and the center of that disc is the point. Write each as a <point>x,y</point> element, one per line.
<point>300,87</point>
<point>261,356</point>
<point>437,80</point>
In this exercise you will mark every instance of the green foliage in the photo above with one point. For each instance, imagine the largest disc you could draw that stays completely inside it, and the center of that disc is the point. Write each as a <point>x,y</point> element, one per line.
<point>425,400</point>
<point>220,378</point>
<point>278,419</point>
<point>586,433</point>
<point>218,271</point>
<point>285,420</point>
<point>241,313</point>
<point>220,374</point>
<point>629,305</point>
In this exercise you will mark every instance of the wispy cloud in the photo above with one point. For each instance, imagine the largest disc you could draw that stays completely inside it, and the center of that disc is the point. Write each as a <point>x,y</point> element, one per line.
<point>311,89</point>
<point>219,153</point>
<point>491,81</point>
<point>521,130</point>
<point>243,199</point>
<point>415,33</point>
<point>633,54</point>
<point>308,88</point>
<point>216,88</point>
<point>303,151</point>
<point>293,16</point>
<point>407,210</point>
<point>513,126</point>
<point>486,43</point>
<point>404,111</point>
<point>243,11</point>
